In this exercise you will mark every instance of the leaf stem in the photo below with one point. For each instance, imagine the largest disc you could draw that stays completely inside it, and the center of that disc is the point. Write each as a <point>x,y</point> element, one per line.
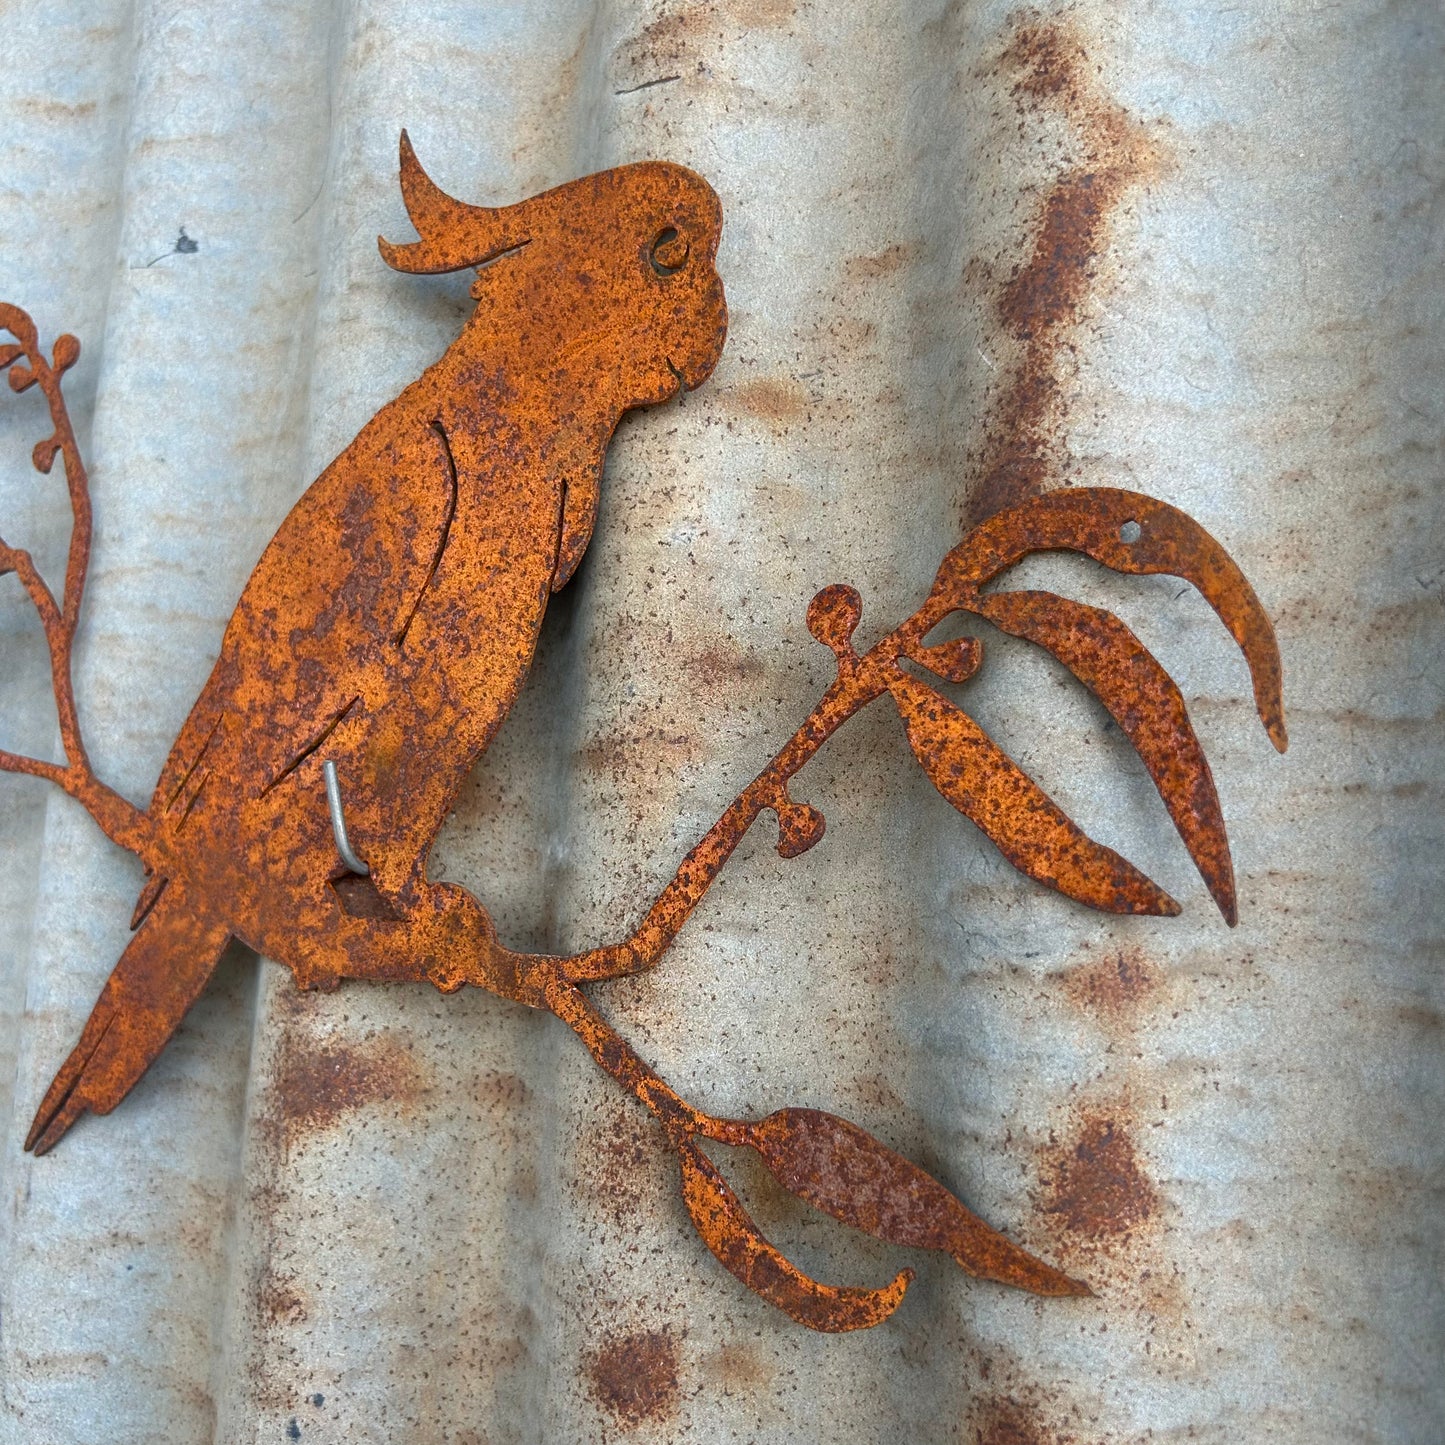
<point>120,820</point>
<point>618,1058</point>
<point>859,681</point>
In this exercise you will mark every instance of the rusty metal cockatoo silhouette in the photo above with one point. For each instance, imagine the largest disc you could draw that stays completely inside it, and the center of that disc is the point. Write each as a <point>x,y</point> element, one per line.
<point>389,625</point>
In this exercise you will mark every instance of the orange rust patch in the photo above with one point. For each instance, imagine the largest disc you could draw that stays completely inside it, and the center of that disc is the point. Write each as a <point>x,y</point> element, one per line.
<point>674,43</point>
<point>777,401</point>
<point>503,1091</point>
<point>317,1083</point>
<point>881,263</point>
<point>1094,1186</point>
<point>1002,1421</point>
<point>625,1160</point>
<point>1103,1216</point>
<point>763,14</point>
<point>1044,299</point>
<point>737,1366</point>
<point>671,43</point>
<point>279,1302</point>
<point>720,666</point>
<point>634,1378</point>
<point>1113,988</point>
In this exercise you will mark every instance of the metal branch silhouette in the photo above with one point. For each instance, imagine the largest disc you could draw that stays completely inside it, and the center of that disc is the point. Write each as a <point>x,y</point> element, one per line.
<point>387,630</point>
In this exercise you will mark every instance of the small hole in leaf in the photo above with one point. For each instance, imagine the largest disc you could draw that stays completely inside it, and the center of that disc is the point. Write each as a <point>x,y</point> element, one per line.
<point>1129,533</point>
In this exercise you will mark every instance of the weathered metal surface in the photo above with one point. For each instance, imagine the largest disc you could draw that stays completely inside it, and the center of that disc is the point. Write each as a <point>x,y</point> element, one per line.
<point>1246,1167</point>
<point>391,622</point>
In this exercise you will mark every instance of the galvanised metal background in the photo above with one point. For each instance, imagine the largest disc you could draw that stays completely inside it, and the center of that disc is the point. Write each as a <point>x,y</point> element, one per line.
<point>1190,251</point>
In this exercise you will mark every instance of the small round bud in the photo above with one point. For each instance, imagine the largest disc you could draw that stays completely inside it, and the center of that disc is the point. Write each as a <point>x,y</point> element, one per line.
<point>833,615</point>
<point>799,828</point>
<point>66,353</point>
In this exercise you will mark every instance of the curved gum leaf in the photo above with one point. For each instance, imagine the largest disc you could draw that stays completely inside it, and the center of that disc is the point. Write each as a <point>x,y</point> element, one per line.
<point>732,1236</point>
<point>1088,520</point>
<point>844,1171</point>
<point>1020,819</point>
<point>1128,679</point>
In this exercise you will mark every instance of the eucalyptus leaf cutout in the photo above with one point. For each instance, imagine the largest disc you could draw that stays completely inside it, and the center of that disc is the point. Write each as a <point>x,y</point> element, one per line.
<point>844,1171</point>
<point>1143,699</point>
<point>740,1246</point>
<point>1016,815</point>
<point>1130,533</point>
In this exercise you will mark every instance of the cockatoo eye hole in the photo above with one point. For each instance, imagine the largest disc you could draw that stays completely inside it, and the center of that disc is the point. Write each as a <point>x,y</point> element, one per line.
<point>668,252</point>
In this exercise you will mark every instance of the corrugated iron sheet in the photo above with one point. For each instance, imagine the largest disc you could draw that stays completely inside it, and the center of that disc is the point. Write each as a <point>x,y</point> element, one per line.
<point>968,251</point>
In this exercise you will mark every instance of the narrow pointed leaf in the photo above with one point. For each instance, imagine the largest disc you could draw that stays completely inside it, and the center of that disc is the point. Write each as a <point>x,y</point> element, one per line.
<point>844,1171</point>
<point>1129,680</point>
<point>1020,819</point>
<point>1095,521</point>
<point>732,1236</point>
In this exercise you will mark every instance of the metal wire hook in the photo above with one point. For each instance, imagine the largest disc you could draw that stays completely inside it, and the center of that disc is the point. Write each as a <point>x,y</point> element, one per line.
<point>338,821</point>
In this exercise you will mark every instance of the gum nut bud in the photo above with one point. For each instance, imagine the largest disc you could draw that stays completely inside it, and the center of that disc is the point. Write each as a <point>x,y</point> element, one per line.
<point>800,827</point>
<point>66,353</point>
<point>834,613</point>
<point>43,457</point>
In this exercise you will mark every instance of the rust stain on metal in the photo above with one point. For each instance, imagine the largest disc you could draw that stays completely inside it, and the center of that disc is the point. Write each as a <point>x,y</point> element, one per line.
<point>720,665</point>
<point>503,1092</point>
<point>778,401</point>
<point>869,268</point>
<point>1044,299</point>
<point>635,1377</point>
<point>1102,1213</point>
<point>316,1084</point>
<point>763,14</point>
<point>279,1302</point>
<point>387,631</point>
<point>1115,987</point>
<point>1004,1402</point>
<point>1094,1185</point>
<point>673,46</point>
<point>737,1367</point>
<point>999,1420</point>
<point>627,1154</point>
